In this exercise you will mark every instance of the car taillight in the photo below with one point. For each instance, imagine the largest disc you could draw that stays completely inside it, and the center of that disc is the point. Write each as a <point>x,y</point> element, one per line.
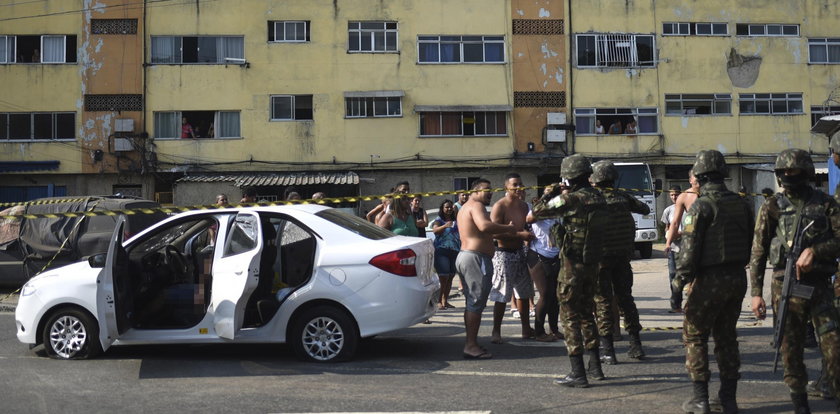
<point>400,262</point>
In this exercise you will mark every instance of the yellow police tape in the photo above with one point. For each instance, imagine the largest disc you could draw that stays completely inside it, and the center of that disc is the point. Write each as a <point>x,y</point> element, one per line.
<point>330,200</point>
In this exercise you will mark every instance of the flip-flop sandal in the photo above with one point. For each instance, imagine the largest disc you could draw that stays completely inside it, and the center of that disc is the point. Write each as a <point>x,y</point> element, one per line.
<point>483,355</point>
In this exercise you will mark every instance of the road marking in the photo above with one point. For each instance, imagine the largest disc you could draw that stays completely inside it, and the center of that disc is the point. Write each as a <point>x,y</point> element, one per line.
<point>402,412</point>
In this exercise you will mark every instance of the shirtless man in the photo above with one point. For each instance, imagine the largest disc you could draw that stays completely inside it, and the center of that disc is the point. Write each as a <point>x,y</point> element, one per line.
<point>683,203</point>
<point>475,261</point>
<point>510,269</point>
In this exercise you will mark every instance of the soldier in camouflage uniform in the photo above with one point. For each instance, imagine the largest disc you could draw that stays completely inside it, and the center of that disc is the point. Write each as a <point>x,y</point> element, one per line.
<point>779,217</point>
<point>615,276</point>
<point>581,207</point>
<point>717,232</point>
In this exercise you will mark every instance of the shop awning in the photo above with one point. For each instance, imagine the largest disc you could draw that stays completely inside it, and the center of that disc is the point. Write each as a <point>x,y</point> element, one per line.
<point>23,166</point>
<point>827,125</point>
<point>275,179</point>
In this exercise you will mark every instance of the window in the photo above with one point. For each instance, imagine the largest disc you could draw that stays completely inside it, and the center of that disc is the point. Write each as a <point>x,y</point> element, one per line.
<point>698,104</point>
<point>615,50</point>
<point>37,125</point>
<point>463,183</point>
<point>38,49</point>
<point>461,49</point>
<point>372,37</point>
<point>460,124</point>
<point>291,31</point>
<point>752,29</point>
<point>291,108</point>
<point>823,50</point>
<point>198,49</point>
<point>645,119</point>
<point>818,112</point>
<point>771,103</point>
<point>373,107</point>
<point>695,29</point>
<point>204,124</point>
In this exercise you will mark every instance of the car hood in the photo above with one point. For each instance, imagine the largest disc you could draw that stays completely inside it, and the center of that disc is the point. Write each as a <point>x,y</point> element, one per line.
<point>78,270</point>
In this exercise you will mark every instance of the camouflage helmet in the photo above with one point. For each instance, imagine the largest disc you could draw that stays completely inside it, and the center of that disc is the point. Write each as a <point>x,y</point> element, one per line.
<point>795,158</point>
<point>575,166</point>
<point>834,144</point>
<point>603,172</point>
<point>709,161</point>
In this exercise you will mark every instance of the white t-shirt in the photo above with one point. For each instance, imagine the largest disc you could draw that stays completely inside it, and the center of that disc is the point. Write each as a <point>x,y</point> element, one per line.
<point>668,216</point>
<point>542,242</point>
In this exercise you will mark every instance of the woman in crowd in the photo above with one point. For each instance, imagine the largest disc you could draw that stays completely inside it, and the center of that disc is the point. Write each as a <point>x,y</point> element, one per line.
<point>447,245</point>
<point>399,218</point>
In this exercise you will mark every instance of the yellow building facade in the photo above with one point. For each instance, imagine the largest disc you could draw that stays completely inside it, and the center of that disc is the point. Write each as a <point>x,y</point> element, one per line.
<point>419,90</point>
<point>746,78</point>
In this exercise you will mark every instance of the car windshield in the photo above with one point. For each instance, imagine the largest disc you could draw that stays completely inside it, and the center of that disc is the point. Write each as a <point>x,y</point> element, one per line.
<point>355,224</point>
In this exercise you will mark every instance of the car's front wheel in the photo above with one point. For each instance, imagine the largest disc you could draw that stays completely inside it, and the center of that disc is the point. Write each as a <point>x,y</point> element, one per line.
<point>71,334</point>
<point>324,334</point>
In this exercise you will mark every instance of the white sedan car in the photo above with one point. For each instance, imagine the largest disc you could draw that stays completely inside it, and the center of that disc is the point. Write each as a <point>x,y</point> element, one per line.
<point>309,275</point>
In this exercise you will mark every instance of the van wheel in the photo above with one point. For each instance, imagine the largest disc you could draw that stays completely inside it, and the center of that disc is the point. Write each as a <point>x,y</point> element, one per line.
<point>71,334</point>
<point>324,334</point>
<point>646,250</point>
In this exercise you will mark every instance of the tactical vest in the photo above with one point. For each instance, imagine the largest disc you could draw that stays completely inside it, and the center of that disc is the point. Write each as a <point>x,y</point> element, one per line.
<point>620,233</point>
<point>728,239</point>
<point>812,211</point>
<point>585,227</point>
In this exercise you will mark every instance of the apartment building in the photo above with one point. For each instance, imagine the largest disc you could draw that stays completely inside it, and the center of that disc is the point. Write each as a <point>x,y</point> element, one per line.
<point>748,78</point>
<point>180,100</point>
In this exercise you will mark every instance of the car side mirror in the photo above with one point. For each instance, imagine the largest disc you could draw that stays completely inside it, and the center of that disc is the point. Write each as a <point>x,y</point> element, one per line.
<point>657,185</point>
<point>97,260</point>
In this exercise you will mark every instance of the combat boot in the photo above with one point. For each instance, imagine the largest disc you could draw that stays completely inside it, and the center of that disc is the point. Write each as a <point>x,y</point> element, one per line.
<point>635,350</point>
<point>576,378</point>
<point>699,403</point>
<point>725,400</point>
<point>800,403</point>
<point>609,351</point>
<point>593,370</point>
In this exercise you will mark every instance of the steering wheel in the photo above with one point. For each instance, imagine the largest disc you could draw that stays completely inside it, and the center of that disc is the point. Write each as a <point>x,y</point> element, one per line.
<point>176,262</point>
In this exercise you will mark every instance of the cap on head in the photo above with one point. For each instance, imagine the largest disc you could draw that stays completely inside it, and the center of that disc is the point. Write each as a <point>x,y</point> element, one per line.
<point>603,171</point>
<point>575,166</point>
<point>793,158</point>
<point>709,161</point>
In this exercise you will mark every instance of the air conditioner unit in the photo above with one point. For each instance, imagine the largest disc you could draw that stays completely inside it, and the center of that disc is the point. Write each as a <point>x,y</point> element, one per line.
<point>555,135</point>
<point>124,125</point>
<point>556,118</point>
<point>122,145</point>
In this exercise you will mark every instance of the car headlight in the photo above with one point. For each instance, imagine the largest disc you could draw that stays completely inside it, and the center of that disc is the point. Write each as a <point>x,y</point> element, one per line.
<point>28,290</point>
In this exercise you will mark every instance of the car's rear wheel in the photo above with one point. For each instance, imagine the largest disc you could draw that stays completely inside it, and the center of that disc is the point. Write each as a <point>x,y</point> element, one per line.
<point>324,334</point>
<point>71,334</point>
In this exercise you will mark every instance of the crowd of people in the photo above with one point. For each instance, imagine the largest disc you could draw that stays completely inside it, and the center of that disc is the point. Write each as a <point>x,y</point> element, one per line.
<point>572,245</point>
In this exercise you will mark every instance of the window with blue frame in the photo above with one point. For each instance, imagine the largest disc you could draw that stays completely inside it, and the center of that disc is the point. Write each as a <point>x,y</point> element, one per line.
<point>461,49</point>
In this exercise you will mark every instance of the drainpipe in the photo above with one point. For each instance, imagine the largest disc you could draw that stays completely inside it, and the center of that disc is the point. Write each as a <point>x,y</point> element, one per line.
<point>570,96</point>
<point>145,46</point>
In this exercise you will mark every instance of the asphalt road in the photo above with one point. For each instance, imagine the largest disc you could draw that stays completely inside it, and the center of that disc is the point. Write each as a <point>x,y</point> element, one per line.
<point>419,369</point>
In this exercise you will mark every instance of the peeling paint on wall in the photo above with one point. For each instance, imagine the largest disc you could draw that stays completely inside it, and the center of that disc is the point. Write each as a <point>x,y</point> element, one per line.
<point>543,69</point>
<point>742,70</point>
<point>520,12</point>
<point>630,73</point>
<point>721,149</point>
<point>558,76</point>
<point>547,53</point>
<point>544,13</point>
<point>684,122</point>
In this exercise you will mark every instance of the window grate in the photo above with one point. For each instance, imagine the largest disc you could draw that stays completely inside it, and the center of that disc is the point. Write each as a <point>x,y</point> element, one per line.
<point>535,99</point>
<point>538,26</point>
<point>113,26</point>
<point>109,103</point>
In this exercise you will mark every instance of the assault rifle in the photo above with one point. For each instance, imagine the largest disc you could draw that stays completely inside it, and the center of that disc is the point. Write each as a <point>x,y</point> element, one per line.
<point>791,287</point>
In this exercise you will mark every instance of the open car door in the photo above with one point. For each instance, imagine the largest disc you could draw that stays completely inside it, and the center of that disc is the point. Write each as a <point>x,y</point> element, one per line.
<point>236,274</point>
<point>113,298</point>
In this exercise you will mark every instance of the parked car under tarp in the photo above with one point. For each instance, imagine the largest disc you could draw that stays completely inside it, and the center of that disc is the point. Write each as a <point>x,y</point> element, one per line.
<point>28,246</point>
